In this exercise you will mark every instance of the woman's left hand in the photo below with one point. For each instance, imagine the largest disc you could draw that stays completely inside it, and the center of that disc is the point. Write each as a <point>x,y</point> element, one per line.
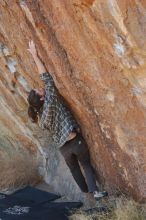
<point>32,48</point>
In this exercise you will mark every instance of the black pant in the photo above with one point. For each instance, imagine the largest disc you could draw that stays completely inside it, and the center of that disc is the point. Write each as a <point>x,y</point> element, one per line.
<point>75,151</point>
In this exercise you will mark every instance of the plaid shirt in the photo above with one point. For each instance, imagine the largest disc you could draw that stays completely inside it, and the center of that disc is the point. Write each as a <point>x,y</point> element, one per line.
<point>55,115</point>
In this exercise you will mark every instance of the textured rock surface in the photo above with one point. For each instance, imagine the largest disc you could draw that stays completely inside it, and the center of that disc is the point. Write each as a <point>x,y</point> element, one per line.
<point>96,52</point>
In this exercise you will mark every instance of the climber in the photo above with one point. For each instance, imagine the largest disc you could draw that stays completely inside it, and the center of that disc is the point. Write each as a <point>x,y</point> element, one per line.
<point>48,108</point>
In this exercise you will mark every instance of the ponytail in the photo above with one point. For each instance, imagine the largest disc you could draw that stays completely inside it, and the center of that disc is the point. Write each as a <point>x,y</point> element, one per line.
<point>35,105</point>
<point>33,115</point>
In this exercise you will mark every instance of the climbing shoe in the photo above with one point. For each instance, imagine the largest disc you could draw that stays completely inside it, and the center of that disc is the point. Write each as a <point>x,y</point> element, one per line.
<point>99,195</point>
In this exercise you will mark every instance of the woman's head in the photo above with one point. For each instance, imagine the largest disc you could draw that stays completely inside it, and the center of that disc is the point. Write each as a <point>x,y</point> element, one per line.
<point>36,101</point>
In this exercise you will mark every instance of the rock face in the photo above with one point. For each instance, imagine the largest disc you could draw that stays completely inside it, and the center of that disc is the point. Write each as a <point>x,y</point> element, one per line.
<point>95,51</point>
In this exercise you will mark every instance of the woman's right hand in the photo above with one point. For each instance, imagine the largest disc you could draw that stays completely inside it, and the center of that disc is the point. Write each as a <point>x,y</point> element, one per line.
<point>32,48</point>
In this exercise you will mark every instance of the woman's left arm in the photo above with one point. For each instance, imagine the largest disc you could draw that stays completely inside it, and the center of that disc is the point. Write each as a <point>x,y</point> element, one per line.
<point>44,74</point>
<point>40,66</point>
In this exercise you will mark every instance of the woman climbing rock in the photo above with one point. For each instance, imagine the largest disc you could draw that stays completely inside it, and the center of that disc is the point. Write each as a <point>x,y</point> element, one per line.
<point>47,107</point>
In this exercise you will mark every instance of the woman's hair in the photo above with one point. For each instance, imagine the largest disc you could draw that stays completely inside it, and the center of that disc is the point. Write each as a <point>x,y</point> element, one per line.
<point>35,105</point>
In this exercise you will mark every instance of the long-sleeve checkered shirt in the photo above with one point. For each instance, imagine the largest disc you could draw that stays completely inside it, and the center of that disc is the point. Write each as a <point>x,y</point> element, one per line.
<point>55,116</point>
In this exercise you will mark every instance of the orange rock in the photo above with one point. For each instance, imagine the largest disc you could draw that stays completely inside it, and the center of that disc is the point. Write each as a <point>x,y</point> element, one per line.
<point>95,51</point>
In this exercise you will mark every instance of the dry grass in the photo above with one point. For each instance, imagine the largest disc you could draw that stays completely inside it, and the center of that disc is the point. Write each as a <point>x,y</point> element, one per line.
<point>124,210</point>
<point>17,168</point>
<point>129,210</point>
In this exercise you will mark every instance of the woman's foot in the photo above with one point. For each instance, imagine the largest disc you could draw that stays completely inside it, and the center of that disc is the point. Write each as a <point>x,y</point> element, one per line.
<point>99,195</point>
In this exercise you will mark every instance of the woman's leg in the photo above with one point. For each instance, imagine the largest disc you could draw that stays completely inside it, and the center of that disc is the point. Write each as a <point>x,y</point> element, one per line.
<point>72,162</point>
<point>90,179</point>
<point>82,153</point>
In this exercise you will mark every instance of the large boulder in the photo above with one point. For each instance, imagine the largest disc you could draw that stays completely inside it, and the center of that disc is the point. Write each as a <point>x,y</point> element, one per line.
<point>95,51</point>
